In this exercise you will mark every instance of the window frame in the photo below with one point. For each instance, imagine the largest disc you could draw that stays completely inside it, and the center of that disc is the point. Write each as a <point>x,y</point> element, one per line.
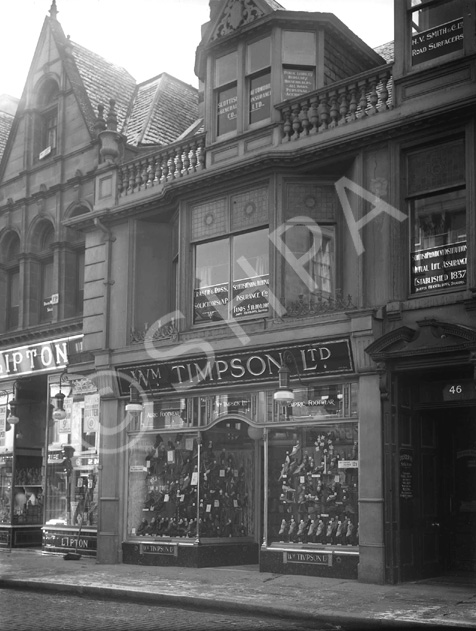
<point>46,136</point>
<point>229,239</point>
<point>428,192</point>
<point>412,7</point>
<point>244,74</point>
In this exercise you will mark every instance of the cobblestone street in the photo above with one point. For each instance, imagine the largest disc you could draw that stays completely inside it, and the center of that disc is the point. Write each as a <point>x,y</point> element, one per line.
<point>26,610</point>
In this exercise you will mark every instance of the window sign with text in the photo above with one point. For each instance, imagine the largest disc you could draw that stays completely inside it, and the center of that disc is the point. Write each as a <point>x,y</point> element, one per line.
<point>260,98</point>
<point>440,267</point>
<point>227,107</point>
<point>209,302</point>
<point>438,41</point>
<point>297,82</point>
<point>250,296</point>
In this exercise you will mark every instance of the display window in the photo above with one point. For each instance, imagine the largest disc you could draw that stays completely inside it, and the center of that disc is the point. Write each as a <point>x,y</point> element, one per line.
<point>175,491</point>
<point>73,460</point>
<point>313,485</point>
<point>317,402</point>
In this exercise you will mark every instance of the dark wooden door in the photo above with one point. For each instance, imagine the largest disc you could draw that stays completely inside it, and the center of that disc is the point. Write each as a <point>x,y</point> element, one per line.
<point>422,499</point>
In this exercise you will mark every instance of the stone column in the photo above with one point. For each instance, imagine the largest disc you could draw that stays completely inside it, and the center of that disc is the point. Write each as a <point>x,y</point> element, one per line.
<point>371,485</point>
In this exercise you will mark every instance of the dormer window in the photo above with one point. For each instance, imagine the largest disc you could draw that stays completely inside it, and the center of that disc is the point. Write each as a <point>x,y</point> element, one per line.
<point>47,121</point>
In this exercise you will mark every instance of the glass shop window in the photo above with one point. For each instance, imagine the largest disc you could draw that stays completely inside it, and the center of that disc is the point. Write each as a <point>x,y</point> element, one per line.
<point>436,28</point>
<point>437,205</point>
<point>166,414</point>
<point>167,491</point>
<point>163,479</point>
<point>319,402</point>
<point>313,485</point>
<point>73,460</point>
<point>232,277</point>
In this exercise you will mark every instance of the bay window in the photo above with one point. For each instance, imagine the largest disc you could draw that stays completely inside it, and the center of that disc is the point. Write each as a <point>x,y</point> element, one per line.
<point>313,279</point>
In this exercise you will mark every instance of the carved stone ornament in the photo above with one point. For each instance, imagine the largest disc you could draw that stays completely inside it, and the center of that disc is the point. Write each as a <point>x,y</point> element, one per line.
<point>236,14</point>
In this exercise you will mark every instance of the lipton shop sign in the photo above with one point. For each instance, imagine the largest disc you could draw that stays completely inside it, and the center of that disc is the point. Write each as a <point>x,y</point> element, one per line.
<point>35,358</point>
<point>312,359</point>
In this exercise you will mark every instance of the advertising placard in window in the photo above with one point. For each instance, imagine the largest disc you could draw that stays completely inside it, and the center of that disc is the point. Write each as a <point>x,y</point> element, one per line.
<point>250,296</point>
<point>3,420</point>
<point>296,82</point>
<point>439,267</point>
<point>210,303</point>
<point>227,106</point>
<point>437,41</point>
<point>260,98</point>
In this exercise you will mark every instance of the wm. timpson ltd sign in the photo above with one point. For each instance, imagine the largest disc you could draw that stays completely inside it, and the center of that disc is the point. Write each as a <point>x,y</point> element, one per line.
<point>34,358</point>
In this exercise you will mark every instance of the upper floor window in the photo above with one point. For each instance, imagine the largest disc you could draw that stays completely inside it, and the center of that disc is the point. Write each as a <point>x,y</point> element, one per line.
<point>232,277</point>
<point>47,121</point>
<point>299,63</point>
<point>258,75</point>
<point>436,28</point>
<point>243,94</point>
<point>314,247</point>
<point>437,204</point>
<point>226,82</point>
<point>231,256</point>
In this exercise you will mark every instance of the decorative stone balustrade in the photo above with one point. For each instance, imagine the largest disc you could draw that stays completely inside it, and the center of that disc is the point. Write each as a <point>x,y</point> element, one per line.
<point>339,104</point>
<point>165,165</point>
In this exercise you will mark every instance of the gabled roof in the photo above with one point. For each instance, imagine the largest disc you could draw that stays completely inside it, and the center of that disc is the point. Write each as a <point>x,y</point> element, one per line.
<point>155,112</point>
<point>162,109</point>
<point>102,81</point>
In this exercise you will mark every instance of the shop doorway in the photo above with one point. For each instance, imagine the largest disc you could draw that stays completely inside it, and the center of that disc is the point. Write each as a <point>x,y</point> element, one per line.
<point>437,493</point>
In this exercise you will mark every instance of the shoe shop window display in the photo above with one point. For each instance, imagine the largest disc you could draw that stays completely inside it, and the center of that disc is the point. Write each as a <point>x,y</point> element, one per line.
<point>167,479</point>
<point>313,485</point>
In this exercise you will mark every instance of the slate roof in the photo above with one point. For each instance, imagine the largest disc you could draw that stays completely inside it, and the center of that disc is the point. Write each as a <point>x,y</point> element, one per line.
<point>6,121</point>
<point>386,51</point>
<point>104,81</point>
<point>163,108</point>
<point>154,112</point>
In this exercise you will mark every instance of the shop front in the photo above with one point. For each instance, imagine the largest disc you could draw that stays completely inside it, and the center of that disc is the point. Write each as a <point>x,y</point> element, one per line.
<point>72,467</point>
<point>221,473</point>
<point>25,414</point>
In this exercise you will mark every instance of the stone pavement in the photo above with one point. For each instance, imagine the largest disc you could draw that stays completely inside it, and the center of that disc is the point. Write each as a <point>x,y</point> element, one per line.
<point>436,603</point>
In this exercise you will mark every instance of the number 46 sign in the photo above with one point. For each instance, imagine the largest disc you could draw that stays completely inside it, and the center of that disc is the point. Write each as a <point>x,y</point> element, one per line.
<point>464,389</point>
